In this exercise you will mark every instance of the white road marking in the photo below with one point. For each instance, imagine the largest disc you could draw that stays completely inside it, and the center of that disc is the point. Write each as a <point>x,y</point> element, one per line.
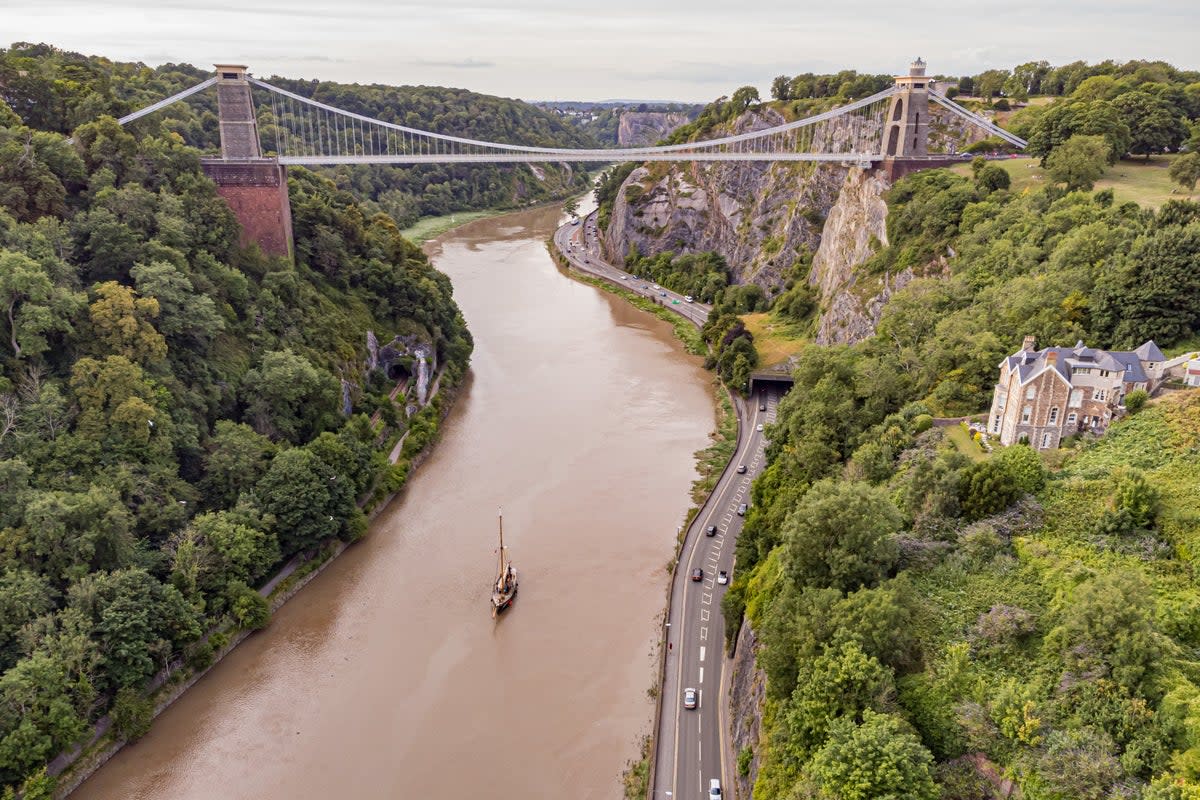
<point>704,615</point>
<point>704,633</point>
<point>701,675</point>
<point>702,653</point>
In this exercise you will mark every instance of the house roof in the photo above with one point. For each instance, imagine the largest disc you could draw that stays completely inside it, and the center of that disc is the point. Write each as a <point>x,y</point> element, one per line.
<point>1133,367</point>
<point>1028,363</point>
<point>1150,352</point>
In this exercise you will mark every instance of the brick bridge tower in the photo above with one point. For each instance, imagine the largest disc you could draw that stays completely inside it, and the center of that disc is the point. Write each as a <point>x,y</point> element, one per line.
<point>254,187</point>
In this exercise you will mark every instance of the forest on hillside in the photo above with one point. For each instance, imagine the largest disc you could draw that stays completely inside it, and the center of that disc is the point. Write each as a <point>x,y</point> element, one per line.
<point>55,90</point>
<point>178,416</point>
<point>940,621</point>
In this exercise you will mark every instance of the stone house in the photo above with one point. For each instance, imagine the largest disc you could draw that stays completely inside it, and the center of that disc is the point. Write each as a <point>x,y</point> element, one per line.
<point>1045,395</point>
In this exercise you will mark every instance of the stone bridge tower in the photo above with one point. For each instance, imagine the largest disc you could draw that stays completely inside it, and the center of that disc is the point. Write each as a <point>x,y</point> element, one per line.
<point>254,187</point>
<point>906,134</point>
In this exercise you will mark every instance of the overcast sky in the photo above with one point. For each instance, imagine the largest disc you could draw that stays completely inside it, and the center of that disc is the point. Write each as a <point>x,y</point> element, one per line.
<point>692,50</point>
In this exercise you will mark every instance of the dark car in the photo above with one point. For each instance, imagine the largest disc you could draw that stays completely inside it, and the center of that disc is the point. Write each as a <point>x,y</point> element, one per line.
<point>697,574</point>
<point>741,469</point>
<point>762,406</point>
<point>711,530</point>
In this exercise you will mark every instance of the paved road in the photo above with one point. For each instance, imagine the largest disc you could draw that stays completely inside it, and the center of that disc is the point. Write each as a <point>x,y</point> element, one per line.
<point>581,245</point>
<point>692,745</point>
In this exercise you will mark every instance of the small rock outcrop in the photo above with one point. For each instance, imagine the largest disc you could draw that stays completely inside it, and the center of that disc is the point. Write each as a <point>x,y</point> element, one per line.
<point>409,353</point>
<point>638,128</point>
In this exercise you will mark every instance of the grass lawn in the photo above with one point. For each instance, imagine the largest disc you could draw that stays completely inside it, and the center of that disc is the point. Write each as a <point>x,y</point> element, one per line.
<point>1142,181</point>
<point>431,227</point>
<point>965,444</point>
<point>774,339</point>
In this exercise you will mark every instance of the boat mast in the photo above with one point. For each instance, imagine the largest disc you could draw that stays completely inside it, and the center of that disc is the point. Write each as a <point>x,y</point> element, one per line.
<point>500,515</point>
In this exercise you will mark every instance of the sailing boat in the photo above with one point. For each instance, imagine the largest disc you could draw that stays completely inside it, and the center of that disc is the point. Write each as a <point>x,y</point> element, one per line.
<point>504,591</point>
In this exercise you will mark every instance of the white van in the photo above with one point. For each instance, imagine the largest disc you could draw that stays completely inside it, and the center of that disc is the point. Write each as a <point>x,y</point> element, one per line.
<point>714,789</point>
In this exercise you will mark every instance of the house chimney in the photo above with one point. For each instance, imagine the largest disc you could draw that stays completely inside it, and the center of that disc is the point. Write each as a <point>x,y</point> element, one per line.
<point>1030,344</point>
<point>1051,358</point>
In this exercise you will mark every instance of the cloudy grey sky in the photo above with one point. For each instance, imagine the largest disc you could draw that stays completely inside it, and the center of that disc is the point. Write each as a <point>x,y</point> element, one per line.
<point>646,49</point>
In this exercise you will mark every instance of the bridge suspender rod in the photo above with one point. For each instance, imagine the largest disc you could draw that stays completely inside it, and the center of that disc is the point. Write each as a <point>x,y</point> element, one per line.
<point>600,155</point>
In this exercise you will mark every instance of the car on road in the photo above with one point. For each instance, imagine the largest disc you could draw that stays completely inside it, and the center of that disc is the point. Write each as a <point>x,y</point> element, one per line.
<point>691,698</point>
<point>697,574</point>
<point>762,406</point>
<point>711,530</point>
<point>722,577</point>
<point>759,428</point>
<point>714,789</point>
<point>687,298</point>
<point>662,294</point>
<point>741,469</point>
<point>741,513</point>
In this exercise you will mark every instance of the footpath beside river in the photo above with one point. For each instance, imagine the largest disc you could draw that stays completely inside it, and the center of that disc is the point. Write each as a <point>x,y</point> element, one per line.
<point>386,675</point>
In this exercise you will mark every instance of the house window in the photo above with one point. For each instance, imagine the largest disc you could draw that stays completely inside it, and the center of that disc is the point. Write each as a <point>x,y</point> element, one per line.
<point>1076,398</point>
<point>1053,415</point>
<point>1001,400</point>
<point>1045,441</point>
<point>1025,412</point>
<point>996,424</point>
<point>1103,373</point>
<point>1099,394</point>
<point>1071,418</point>
<point>1030,393</point>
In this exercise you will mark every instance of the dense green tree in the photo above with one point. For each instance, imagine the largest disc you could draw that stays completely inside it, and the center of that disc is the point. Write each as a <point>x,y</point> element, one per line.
<point>24,596</point>
<point>842,537</point>
<point>288,397</point>
<point>1156,291</point>
<point>988,487</point>
<point>1153,125</point>
<point>1185,170</point>
<point>299,490</point>
<point>35,308</point>
<point>842,682</point>
<point>1078,162</point>
<point>1107,628</point>
<point>122,324</point>
<point>236,458</point>
<point>781,88</point>
<point>1025,465</point>
<point>880,757</point>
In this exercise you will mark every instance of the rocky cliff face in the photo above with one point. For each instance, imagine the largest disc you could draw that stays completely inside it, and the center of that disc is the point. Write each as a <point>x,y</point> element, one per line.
<point>759,216</point>
<point>639,128</point>
<point>747,688</point>
<point>854,230</point>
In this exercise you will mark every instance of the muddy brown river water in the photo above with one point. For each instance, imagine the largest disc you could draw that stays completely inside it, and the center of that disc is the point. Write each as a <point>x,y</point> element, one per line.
<point>386,677</point>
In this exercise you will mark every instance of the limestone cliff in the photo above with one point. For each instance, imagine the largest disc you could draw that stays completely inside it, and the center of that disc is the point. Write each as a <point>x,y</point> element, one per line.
<point>747,688</point>
<point>760,216</point>
<point>855,228</point>
<point>638,128</point>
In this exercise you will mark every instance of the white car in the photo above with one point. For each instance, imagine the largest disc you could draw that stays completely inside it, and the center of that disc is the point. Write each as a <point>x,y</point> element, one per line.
<point>759,428</point>
<point>714,789</point>
<point>723,577</point>
<point>691,698</point>
<point>688,299</point>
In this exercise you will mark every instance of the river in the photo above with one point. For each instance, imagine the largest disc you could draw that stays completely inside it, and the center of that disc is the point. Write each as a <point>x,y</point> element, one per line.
<point>386,676</point>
